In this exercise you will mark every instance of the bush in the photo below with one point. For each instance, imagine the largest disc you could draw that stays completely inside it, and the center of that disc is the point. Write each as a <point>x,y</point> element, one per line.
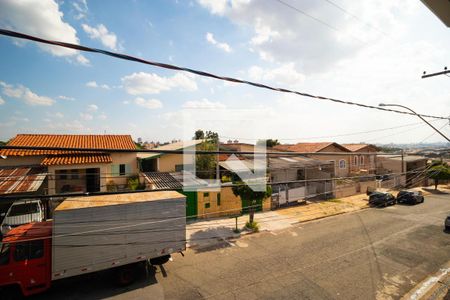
<point>111,186</point>
<point>226,178</point>
<point>254,226</point>
<point>133,183</point>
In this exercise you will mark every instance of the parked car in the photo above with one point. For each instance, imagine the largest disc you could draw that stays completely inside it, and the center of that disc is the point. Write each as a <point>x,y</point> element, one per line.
<point>447,223</point>
<point>410,197</point>
<point>381,199</point>
<point>22,212</point>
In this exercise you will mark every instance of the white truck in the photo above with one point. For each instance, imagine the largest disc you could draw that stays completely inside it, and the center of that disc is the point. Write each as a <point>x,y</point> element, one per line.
<point>94,233</point>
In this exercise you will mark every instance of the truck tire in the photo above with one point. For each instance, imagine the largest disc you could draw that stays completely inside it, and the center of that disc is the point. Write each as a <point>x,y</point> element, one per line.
<point>126,275</point>
<point>11,293</point>
<point>157,261</point>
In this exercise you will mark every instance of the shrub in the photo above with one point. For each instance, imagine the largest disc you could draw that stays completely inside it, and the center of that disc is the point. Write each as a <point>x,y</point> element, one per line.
<point>253,226</point>
<point>133,183</point>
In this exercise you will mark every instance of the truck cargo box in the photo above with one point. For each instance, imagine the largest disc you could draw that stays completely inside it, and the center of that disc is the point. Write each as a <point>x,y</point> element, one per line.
<point>100,232</point>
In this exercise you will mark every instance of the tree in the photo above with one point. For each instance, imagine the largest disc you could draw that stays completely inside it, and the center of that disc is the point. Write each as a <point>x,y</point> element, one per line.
<point>199,135</point>
<point>206,164</point>
<point>439,172</point>
<point>269,143</point>
<point>250,198</point>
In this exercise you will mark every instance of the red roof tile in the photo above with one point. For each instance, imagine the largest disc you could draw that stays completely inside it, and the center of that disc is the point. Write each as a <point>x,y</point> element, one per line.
<point>66,141</point>
<point>76,159</point>
<point>357,147</point>
<point>308,147</point>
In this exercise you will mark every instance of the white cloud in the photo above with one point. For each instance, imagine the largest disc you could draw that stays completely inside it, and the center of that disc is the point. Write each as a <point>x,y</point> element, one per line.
<point>283,35</point>
<point>102,116</point>
<point>94,84</point>
<point>92,108</point>
<point>282,75</point>
<point>224,46</point>
<point>59,115</point>
<point>215,6</point>
<point>86,117</point>
<point>25,94</point>
<point>83,60</point>
<point>2,101</point>
<point>203,104</point>
<point>41,18</point>
<point>101,33</point>
<point>81,8</point>
<point>62,97</point>
<point>148,103</point>
<point>149,83</point>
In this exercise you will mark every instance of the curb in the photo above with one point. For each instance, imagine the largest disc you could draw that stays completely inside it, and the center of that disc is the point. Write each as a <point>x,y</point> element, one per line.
<point>432,287</point>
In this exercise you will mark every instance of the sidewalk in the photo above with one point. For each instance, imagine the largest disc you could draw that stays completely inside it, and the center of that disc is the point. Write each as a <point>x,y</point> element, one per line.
<point>205,233</point>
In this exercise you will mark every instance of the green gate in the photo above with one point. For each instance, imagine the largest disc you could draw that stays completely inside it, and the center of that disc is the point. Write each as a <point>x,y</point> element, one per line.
<point>191,204</point>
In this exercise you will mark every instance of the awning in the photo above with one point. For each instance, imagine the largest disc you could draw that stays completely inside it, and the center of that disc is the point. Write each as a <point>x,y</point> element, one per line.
<point>21,180</point>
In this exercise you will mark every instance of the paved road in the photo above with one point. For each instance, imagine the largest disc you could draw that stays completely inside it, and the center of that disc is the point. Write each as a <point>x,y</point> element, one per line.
<point>370,254</point>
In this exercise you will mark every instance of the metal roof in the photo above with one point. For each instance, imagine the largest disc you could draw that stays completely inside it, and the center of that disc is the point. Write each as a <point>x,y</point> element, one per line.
<point>173,181</point>
<point>173,146</point>
<point>21,180</point>
<point>295,161</point>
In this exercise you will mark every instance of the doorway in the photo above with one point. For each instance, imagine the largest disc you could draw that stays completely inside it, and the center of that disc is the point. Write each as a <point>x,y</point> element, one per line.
<point>92,180</point>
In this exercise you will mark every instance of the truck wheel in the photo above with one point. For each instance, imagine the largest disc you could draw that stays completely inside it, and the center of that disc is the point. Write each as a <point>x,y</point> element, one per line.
<point>125,275</point>
<point>11,293</point>
<point>157,261</point>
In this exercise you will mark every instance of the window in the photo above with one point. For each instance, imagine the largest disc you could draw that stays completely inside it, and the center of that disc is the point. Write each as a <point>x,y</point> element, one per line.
<point>207,205</point>
<point>300,174</point>
<point>75,174</point>
<point>218,199</point>
<point>361,160</point>
<point>122,171</point>
<point>179,168</point>
<point>355,160</point>
<point>4,255</point>
<point>206,194</point>
<point>342,164</point>
<point>29,250</point>
<point>23,209</point>
<point>62,174</point>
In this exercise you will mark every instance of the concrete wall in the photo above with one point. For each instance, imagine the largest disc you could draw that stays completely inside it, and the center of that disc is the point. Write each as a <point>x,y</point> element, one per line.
<point>11,161</point>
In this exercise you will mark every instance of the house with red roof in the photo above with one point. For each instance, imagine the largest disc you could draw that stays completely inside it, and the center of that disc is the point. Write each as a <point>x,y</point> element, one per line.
<point>74,171</point>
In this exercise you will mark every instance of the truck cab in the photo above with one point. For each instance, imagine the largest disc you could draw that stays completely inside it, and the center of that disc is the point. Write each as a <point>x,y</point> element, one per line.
<point>25,259</point>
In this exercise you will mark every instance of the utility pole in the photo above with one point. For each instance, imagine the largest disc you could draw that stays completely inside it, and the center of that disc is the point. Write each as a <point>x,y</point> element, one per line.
<point>445,72</point>
<point>429,124</point>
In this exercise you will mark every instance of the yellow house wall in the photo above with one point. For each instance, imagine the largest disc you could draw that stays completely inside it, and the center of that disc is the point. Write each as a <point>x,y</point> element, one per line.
<point>229,203</point>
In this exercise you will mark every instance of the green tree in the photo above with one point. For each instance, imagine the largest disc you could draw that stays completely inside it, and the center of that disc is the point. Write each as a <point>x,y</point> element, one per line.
<point>199,135</point>
<point>439,172</point>
<point>2,143</point>
<point>206,164</point>
<point>269,143</point>
<point>250,198</point>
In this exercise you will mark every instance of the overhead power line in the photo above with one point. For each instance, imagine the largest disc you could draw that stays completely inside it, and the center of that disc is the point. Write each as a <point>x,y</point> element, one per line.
<point>355,16</point>
<point>198,72</point>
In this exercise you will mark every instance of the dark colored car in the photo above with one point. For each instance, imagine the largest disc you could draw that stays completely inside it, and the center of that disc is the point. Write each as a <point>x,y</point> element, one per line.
<point>410,197</point>
<point>381,199</point>
<point>447,223</point>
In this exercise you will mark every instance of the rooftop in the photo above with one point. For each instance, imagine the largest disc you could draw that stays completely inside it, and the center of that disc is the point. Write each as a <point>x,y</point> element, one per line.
<point>66,141</point>
<point>357,147</point>
<point>173,146</point>
<point>19,180</point>
<point>309,147</point>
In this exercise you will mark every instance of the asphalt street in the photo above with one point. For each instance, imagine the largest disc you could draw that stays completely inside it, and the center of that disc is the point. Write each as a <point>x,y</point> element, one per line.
<point>376,253</point>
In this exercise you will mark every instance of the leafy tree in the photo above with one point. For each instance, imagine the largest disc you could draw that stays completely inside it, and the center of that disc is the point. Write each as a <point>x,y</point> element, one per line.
<point>269,143</point>
<point>439,172</point>
<point>199,135</point>
<point>250,198</point>
<point>206,164</point>
<point>2,143</point>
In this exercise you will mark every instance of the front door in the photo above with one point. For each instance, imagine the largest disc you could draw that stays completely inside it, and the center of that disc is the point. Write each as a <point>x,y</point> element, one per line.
<point>93,180</point>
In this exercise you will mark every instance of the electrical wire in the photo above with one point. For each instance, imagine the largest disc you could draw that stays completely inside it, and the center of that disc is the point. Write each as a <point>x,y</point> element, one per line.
<point>198,72</point>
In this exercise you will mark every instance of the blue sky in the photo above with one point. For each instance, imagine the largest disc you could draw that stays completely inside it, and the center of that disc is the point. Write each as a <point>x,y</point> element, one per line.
<point>51,90</point>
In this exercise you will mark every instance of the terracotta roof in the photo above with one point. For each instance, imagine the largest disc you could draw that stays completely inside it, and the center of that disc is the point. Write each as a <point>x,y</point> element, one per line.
<point>21,180</point>
<point>66,141</point>
<point>76,159</point>
<point>308,147</point>
<point>357,147</point>
<point>36,230</point>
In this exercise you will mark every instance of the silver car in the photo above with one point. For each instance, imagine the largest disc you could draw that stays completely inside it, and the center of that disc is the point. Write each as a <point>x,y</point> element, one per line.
<point>22,212</point>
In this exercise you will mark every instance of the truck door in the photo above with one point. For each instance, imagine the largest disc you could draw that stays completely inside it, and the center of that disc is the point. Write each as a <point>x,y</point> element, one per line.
<point>32,265</point>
